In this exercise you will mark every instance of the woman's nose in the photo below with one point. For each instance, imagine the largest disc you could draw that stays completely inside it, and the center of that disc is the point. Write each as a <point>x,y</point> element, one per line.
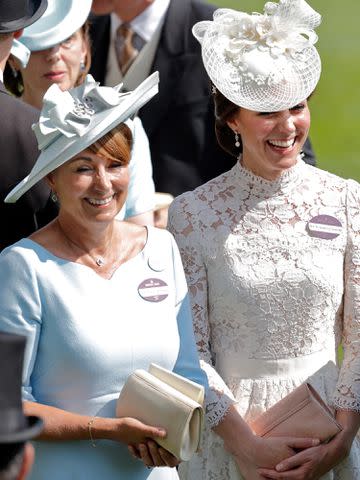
<point>103,180</point>
<point>53,52</point>
<point>287,123</point>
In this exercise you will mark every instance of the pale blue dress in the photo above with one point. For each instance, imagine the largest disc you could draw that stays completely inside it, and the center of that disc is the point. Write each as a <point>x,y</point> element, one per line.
<point>86,334</point>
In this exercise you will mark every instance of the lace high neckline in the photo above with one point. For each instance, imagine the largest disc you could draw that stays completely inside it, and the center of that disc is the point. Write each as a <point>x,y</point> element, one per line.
<point>287,180</point>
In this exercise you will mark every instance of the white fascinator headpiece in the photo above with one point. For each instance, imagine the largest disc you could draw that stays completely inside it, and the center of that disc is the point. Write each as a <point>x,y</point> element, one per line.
<point>263,62</point>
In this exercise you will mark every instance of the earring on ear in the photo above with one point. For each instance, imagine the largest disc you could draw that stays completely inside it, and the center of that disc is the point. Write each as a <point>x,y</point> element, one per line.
<point>53,196</point>
<point>82,65</point>
<point>237,140</point>
<point>13,70</point>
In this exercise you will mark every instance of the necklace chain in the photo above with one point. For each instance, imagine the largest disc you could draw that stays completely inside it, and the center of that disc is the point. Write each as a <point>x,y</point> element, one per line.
<point>99,261</point>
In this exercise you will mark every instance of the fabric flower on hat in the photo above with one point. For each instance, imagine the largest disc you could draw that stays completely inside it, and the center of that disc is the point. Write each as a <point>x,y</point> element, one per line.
<point>70,113</point>
<point>284,29</point>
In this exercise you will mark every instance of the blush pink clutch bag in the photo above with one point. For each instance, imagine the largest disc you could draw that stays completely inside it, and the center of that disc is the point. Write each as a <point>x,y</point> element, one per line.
<point>302,413</point>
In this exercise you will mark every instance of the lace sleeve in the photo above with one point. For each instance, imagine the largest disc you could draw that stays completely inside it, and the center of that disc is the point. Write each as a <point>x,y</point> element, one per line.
<point>182,224</point>
<point>347,394</point>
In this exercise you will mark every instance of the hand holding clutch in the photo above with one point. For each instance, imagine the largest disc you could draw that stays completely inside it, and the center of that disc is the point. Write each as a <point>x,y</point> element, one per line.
<point>163,398</point>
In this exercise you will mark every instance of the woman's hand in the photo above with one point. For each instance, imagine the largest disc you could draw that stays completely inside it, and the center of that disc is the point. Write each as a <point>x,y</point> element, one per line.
<point>152,455</point>
<point>131,431</point>
<point>312,463</point>
<point>141,440</point>
<point>267,453</point>
<point>250,451</point>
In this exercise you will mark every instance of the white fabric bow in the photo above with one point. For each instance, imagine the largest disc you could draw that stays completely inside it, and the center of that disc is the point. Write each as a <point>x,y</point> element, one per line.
<point>71,112</point>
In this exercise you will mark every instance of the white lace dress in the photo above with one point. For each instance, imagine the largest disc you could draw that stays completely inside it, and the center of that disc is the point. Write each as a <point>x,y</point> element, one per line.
<point>274,274</point>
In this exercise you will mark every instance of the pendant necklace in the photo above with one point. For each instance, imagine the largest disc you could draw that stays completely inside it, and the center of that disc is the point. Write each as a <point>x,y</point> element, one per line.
<point>99,261</point>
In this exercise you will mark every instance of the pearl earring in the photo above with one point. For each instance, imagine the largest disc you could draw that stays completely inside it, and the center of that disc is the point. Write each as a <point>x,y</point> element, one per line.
<point>82,65</point>
<point>237,140</point>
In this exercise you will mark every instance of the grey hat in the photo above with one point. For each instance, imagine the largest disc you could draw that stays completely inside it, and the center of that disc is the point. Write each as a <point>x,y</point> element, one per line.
<point>18,14</point>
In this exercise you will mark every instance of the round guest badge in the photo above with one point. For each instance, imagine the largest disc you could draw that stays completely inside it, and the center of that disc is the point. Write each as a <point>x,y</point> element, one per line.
<point>324,226</point>
<point>153,290</point>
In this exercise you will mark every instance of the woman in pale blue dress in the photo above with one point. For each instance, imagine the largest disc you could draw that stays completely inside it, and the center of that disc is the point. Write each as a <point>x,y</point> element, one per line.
<point>96,297</point>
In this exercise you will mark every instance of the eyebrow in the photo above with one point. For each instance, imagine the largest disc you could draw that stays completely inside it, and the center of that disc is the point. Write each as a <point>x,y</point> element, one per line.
<point>81,158</point>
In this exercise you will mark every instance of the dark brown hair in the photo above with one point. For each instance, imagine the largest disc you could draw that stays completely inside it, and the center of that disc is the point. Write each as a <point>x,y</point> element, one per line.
<point>13,80</point>
<point>224,111</point>
<point>116,144</point>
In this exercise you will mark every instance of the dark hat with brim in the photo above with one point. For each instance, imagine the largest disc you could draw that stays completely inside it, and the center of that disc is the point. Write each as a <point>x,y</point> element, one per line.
<point>21,429</point>
<point>15,427</point>
<point>18,14</point>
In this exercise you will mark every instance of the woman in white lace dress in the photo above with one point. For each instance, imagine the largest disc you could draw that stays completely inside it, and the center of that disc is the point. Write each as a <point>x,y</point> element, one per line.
<point>271,251</point>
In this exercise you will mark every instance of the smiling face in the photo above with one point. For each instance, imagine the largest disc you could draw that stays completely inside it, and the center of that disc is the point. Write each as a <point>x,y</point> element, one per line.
<point>90,188</point>
<point>60,64</point>
<point>271,141</point>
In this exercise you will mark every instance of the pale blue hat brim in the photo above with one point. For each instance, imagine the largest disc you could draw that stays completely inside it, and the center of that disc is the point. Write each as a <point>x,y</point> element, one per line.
<point>64,148</point>
<point>61,19</point>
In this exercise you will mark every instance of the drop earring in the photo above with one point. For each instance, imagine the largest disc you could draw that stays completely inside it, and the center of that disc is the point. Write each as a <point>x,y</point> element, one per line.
<point>53,196</point>
<point>13,70</point>
<point>237,140</point>
<point>82,65</point>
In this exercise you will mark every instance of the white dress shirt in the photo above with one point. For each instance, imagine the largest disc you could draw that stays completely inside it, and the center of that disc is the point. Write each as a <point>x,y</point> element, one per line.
<point>146,25</point>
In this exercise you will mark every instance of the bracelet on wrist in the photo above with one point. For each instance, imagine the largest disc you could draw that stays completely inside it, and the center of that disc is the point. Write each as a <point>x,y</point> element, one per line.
<point>90,424</point>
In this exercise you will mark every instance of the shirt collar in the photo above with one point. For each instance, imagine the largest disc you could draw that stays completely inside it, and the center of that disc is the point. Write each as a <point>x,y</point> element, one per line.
<point>147,22</point>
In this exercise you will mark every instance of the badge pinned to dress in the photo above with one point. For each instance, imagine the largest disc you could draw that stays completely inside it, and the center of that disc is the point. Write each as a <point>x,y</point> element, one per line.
<point>153,290</point>
<point>326,227</point>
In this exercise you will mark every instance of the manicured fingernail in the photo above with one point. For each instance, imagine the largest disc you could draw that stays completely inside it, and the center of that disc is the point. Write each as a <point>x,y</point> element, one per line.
<point>279,467</point>
<point>316,441</point>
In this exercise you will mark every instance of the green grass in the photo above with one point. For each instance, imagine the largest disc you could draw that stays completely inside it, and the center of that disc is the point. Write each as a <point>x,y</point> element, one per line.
<point>335,107</point>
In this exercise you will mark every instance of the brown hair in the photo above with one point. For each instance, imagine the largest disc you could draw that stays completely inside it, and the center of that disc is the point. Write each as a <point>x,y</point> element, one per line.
<point>13,80</point>
<point>116,144</point>
<point>224,111</point>
<point>4,36</point>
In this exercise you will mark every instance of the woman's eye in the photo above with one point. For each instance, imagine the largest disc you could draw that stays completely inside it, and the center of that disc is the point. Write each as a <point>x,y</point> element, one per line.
<point>83,169</point>
<point>116,165</point>
<point>68,41</point>
<point>298,107</point>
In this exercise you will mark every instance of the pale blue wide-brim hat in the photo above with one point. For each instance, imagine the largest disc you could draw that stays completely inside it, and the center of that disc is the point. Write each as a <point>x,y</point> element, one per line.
<point>61,19</point>
<point>72,120</point>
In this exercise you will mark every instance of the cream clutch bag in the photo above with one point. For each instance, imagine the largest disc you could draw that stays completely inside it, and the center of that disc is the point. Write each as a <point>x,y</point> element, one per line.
<point>162,398</point>
<point>302,413</point>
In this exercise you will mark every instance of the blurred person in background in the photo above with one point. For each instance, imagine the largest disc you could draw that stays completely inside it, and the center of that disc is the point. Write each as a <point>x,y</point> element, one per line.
<point>17,142</point>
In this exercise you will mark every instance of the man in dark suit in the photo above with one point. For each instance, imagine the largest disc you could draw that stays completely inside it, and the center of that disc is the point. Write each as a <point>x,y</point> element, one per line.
<point>18,147</point>
<point>180,120</point>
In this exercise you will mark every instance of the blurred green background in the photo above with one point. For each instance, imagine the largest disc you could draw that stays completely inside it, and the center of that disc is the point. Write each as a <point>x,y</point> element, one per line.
<point>335,108</point>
